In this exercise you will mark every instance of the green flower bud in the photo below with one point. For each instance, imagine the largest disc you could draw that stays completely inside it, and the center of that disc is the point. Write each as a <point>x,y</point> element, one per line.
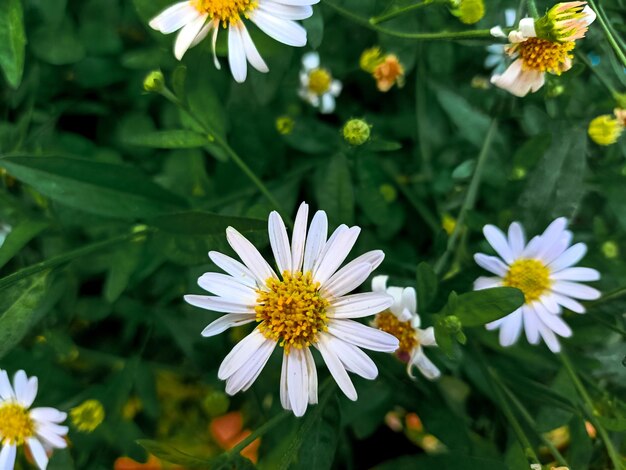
<point>154,82</point>
<point>215,404</point>
<point>356,132</point>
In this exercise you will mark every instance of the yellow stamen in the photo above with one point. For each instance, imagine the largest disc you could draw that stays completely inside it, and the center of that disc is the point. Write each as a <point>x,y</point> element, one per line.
<point>16,424</point>
<point>544,56</point>
<point>403,330</point>
<point>319,81</point>
<point>530,276</point>
<point>292,312</point>
<point>225,11</point>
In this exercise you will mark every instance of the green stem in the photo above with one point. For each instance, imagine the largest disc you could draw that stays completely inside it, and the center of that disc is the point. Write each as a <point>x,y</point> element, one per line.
<point>607,31</point>
<point>470,198</point>
<point>421,94</point>
<point>443,35</point>
<point>214,136</point>
<point>616,294</point>
<point>598,75</point>
<point>528,418</point>
<point>590,412</point>
<point>69,256</point>
<point>401,11</point>
<point>532,9</point>
<point>259,432</point>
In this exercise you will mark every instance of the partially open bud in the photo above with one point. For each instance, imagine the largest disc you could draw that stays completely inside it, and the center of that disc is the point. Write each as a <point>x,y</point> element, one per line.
<point>468,11</point>
<point>605,130</point>
<point>565,22</point>
<point>154,82</point>
<point>356,132</point>
<point>284,125</point>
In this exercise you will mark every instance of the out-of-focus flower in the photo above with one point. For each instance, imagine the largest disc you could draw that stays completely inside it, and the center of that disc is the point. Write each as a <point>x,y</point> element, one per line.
<point>370,58</point>
<point>468,11</point>
<point>197,18</point>
<point>126,463</point>
<point>543,269</point>
<point>402,321</point>
<point>228,431</point>
<point>448,223</point>
<point>610,249</point>
<point>356,132</point>
<point>389,73</point>
<point>605,130</point>
<point>305,306</point>
<point>88,415</point>
<point>285,125</point>
<point>565,22</point>
<point>154,82</point>
<point>317,85</point>
<point>38,428</point>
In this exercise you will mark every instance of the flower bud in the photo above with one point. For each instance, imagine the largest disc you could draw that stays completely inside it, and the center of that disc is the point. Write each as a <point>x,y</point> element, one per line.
<point>370,58</point>
<point>468,11</point>
<point>605,130</point>
<point>88,415</point>
<point>154,82</point>
<point>565,22</point>
<point>284,125</point>
<point>356,132</point>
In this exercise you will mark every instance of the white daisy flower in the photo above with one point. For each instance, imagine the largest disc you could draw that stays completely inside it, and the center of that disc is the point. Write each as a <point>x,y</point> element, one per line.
<point>402,321</point>
<point>38,428</point>
<point>306,305</point>
<point>196,18</point>
<point>317,85</point>
<point>543,270</point>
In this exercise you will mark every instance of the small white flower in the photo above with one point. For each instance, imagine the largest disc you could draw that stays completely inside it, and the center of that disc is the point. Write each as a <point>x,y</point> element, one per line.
<point>543,270</point>
<point>306,305</point>
<point>317,85</point>
<point>403,321</point>
<point>196,18</point>
<point>38,428</point>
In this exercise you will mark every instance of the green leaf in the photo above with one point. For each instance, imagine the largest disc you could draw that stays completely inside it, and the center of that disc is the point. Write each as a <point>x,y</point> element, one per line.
<point>57,45</point>
<point>427,284</point>
<point>19,237</point>
<point>314,26</point>
<point>197,223</point>
<point>171,139</point>
<point>448,461</point>
<point>471,123</point>
<point>12,41</point>
<point>172,455</point>
<point>20,307</point>
<point>124,261</point>
<point>321,444</point>
<point>483,306</point>
<point>335,192</point>
<point>99,188</point>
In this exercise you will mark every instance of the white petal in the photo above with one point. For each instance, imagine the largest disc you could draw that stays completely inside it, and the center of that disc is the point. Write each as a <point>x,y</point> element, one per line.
<point>279,240</point>
<point>51,415</point>
<point>550,304</point>
<point>427,337</point>
<point>315,241</point>
<point>38,452</point>
<point>225,322</point>
<point>287,12</point>
<point>570,257</point>
<point>549,337</point>
<point>187,35</point>
<point>409,299</point>
<point>336,253</point>
<point>298,238</point>
<point>250,256</point>
<point>516,239</point>
<point>491,264</point>
<point>7,456</point>
<point>241,354</point>
<point>359,305</point>
<point>487,282</point>
<point>373,258</point>
<point>336,369</point>
<point>51,438</point>
<point>217,304</point>
<point>285,31</point>
<point>379,283</point>
<point>511,328</point>
<point>552,235</point>
<point>425,365</point>
<point>311,61</point>
<point>298,382</point>
<point>175,17</point>
<point>568,303</point>
<point>517,81</point>
<point>228,287</point>
<point>531,324</point>
<point>576,290</point>
<point>252,52</point>
<point>237,54</point>
<point>577,274</point>
<point>335,89</point>
<point>296,2</point>
<point>346,280</point>
<point>204,32</point>
<point>6,390</point>
<point>30,393</point>
<point>353,359</point>
<point>558,248</point>
<point>312,371</point>
<point>233,267</point>
<point>284,388</point>
<point>20,385</point>
<point>245,375</point>
<point>498,241</point>
<point>363,336</point>
<point>327,105</point>
<point>556,324</point>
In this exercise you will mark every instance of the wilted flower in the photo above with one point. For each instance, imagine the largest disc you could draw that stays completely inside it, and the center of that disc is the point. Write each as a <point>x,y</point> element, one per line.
<point>88,415</point>
<point>565,22</point>
<point>468,11</point>
<point>37,428</point>
<point>388,73</point>
<point>403,321</point>
<point>317,85</point>
<point>356,132</point>
<point>305,306</point>
<point>543,270</point>
<point>196,18</point>
<point>605,129</point>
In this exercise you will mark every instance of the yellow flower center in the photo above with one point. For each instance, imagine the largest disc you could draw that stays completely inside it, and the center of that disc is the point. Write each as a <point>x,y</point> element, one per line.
<point>530,276</point>
<point>292,312</point>
<point>544,56</point>
<point>226,11</point>
<point>88,415</point>
<point>16,424</point>
<point>319,81</point>
<point>403,330</point>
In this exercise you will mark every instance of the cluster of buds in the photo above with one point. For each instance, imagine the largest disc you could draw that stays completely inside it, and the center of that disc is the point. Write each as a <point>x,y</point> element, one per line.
<point>385,68</point>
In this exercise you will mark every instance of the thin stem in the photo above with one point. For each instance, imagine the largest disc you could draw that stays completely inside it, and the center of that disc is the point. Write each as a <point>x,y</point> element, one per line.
<point>421,94</point>
<point>215,137</point>
<point>589,410</point>
<point>608,32</point>
<point>69,256</point>
<point>470,198</point>
<point>616,294</point>
<point>532,9</point>
<point>443,35</point>
<point>259,432</point>
<point>401,11</point>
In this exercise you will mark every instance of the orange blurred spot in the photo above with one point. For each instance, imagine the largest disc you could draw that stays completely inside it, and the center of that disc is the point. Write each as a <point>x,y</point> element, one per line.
<point>126,463</point>
<point>252,450</point>
<point>225,428</point>
<point>591,431</point>
<point>413,422</point>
